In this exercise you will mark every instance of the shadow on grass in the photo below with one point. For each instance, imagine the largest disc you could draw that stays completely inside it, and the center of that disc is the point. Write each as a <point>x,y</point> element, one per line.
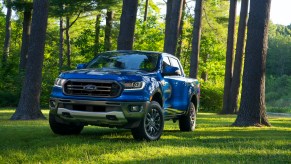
<point>235,157</point>
<point>267,139</point>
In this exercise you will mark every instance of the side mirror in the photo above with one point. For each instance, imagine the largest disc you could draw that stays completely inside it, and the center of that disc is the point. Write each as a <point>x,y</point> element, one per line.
<point>81,66</point>
<point>171,71</point>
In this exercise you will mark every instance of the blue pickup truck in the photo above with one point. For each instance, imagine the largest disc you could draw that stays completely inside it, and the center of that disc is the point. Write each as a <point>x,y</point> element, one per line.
<point>137,90</point>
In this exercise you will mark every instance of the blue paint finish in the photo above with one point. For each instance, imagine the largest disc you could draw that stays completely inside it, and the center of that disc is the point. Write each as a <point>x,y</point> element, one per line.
<point>176,90</point>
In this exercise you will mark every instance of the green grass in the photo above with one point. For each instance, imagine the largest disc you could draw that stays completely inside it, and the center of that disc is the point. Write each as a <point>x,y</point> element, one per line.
<point>214,141</point>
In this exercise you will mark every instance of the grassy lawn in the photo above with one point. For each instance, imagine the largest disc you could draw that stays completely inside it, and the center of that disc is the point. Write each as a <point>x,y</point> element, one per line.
<point>214,141</point>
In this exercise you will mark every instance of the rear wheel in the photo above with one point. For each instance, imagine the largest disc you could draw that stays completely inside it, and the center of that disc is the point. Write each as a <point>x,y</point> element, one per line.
<point>187,122</point>
<point>62,128</point>
<point>152,125</point>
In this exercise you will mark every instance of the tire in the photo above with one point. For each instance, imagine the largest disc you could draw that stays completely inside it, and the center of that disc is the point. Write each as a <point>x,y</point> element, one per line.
<point>63,129</point>
<point>187,122</point>
<point>152,125</point>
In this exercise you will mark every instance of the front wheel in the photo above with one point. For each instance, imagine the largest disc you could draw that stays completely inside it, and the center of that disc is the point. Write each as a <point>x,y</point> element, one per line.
<point>152,125</point>
<point>62,128</point>
<point>187,122</point>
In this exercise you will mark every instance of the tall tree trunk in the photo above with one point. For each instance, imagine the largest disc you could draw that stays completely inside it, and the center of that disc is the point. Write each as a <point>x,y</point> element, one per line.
<point>97,34</point>
<point>146,10</point>
<point>196,39</point>
<point>168,19</point>
<point>204,74</point>
<point>127,25</point>
<point>235,83</point>
<point>6,48</point>
<point>61,45</point>
<point>172,33</point>
<point>25,38</point>
<point>229,57</point>
<point>68,42</point>
<point>108,28</point>
<point>252,110</point>
<point>180,40</point>
<point>29,106</point>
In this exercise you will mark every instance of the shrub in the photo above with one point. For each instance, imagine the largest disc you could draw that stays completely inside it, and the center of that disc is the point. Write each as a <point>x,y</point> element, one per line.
<point>278,95</point>
<point>211,98</point>
<point>8,99</point>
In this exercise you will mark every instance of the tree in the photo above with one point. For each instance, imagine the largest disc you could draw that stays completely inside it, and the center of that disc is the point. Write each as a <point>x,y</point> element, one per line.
<point>108,28</point>
<point>29,106</point>
<point>68,42</point>
<point>229,57</point>
<point>146,10</point>
<point>180,39</point>
<point>26,26</point>
<point>6,48</point>
<point>127,25</point>
<point>236,79</point>
<point>97,34</point>
<point>252,111</point>
<point>196,39</point>
<point>67,9</point>
<point>61,44</point>
<point>173,20</point>
<point>24,6</point>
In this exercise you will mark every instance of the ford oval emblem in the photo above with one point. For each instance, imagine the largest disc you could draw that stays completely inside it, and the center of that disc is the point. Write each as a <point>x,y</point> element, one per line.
<point>90,87</point>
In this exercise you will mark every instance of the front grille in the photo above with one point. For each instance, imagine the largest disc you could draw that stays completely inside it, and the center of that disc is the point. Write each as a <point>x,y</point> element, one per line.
<point>92,88</point>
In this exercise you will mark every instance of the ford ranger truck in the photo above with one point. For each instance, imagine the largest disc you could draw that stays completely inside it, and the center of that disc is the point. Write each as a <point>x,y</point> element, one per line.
<point>137,90</point>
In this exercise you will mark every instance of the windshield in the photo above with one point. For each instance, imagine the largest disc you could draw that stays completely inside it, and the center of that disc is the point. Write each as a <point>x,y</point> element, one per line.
<point>126,61</point>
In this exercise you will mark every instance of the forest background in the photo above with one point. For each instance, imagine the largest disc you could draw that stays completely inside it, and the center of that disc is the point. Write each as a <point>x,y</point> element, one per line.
<point>82,42</point>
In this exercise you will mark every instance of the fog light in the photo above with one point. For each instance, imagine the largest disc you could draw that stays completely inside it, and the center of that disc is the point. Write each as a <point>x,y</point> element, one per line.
<point>136,108</point>
<point>53,104</point>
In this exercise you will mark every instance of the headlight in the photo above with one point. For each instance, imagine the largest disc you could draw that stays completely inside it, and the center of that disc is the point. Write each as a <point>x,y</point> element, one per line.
<point>59,82</point>
<point>134,85</point>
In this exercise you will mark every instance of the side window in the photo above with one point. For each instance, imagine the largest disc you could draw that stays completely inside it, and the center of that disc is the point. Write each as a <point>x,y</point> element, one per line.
<point>166,61</point>
<point>175,63</point>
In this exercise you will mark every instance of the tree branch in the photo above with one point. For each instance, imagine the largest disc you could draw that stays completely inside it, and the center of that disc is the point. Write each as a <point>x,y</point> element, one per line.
<point>73,22</point>
<point>207,20</point>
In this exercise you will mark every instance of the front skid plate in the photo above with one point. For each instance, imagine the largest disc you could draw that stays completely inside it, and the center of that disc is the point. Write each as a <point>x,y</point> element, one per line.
<point>92,117</point>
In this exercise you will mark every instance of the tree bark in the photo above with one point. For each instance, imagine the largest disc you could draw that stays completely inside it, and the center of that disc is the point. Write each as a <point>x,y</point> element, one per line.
<point>180,40</point>
<point>6,48</point>
<point>127,25</point>
<point>68,42</point>
<point>196,39</point>
<point>235,83</point>
<point>25,39</point>
<point>29,106</point>
<point>229,57</point>
<point>168,19</point>
<point>97,34</point>
<point>252,110</point>
<point>146,11</point>
<point>108,28</point>
<point>172,33</point>
<point>61,45</point>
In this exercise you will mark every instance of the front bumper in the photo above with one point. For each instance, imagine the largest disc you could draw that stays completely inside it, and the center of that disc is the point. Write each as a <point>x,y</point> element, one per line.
<point>101,113</point>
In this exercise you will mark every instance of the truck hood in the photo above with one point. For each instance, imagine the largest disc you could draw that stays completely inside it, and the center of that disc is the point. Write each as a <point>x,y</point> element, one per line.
<point>104,74</point>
